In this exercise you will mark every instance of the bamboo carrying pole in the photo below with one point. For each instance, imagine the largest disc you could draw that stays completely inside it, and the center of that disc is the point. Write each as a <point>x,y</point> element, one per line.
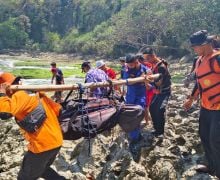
<point>63,87</point>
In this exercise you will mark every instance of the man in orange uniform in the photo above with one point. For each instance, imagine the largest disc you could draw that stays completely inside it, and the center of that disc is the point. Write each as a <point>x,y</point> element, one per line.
<point>44,135</point>
<point>207,72</point>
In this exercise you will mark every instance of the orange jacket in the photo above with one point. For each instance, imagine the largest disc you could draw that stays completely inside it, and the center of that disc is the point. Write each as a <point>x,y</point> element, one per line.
<point>208,79</point>
<point>49,135</point>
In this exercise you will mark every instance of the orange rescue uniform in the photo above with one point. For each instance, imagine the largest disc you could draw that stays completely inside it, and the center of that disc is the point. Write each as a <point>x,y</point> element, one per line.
<point>208,79</point>
<point>49,135</point>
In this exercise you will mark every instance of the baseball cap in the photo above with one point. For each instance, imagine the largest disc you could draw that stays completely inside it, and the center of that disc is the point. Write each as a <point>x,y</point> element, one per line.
<point>200,38</point>
<point>100,63</point>
<point>6,77</point>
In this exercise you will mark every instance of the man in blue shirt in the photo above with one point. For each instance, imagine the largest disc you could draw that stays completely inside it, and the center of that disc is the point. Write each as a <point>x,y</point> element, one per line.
<point>136,94</point>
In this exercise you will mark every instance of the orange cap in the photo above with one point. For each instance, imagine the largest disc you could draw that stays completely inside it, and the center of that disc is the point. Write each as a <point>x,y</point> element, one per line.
<point>6,77</point>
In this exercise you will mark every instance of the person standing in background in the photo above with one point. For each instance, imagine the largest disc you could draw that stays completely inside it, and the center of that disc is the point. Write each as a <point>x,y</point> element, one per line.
<point>109,71</point>
<point>57,74</point>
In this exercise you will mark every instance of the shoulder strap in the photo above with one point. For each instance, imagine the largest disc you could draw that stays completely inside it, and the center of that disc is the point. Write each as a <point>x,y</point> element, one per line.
<point>214,57</point>
<point>155,68</point>
<point>198,62</point>
<point>162,61</point>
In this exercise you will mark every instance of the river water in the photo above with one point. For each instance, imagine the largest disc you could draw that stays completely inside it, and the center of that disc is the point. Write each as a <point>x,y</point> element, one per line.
<point>8,64</point>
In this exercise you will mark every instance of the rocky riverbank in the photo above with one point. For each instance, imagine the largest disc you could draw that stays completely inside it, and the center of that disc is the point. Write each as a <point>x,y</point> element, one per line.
<point>173,158</point>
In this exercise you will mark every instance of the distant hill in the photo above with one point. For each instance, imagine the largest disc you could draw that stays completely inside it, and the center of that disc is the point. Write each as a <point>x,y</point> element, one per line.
<point>105,27</point>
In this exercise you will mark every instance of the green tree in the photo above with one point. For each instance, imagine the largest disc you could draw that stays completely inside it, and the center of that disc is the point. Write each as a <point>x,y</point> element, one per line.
<point>52,41</point>
<point>13,34</point>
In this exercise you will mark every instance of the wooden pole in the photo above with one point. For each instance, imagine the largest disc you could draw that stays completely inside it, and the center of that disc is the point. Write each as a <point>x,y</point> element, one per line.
<point>63,87</point>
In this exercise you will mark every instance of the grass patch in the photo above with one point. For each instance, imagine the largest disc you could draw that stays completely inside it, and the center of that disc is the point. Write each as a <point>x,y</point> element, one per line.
<point>43,64</point>
<point>73,72</point>
<point>44,68</point>
<point>29,73</point>
<point>31,63</point>
<point>45,74</point>
<point>32,73</point>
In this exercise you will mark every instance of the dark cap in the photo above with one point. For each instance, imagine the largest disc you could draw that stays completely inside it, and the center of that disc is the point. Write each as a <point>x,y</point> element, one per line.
<point>85,64</point>
<point>149,51</point>
<point>200,38</point>
<point>130,58</point>
<point>53,64</point>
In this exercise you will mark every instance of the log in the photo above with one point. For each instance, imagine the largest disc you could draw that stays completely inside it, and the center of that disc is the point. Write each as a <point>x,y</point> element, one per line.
<point>63,87</point>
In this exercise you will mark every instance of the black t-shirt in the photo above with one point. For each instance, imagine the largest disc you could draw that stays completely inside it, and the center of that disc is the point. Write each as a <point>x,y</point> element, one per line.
<point>165,86</point>
<point>59,76</point>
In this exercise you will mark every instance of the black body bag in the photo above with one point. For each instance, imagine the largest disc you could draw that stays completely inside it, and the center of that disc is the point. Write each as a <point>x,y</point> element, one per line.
<point>86,118</point>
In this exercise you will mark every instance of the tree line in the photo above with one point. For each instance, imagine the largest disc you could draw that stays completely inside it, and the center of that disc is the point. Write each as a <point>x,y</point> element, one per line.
<point>105,27</point>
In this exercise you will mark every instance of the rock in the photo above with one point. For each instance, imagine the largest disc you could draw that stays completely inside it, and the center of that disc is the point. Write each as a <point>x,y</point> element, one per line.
<point>195,114</point>
<point>191,174</point>
<point>183,113</point>
<point>163,169</point>
<point>172,112</point>
<point>177,119</point>
<point>170,158</point>
<point>180,140</point>
<point>181,98</point>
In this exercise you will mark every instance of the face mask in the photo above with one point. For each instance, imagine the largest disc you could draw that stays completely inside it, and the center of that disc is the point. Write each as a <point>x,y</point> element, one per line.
<point>132,70</point>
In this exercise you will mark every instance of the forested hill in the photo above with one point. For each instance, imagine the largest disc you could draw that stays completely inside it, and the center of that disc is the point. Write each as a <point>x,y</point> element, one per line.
<point>105,27</point>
